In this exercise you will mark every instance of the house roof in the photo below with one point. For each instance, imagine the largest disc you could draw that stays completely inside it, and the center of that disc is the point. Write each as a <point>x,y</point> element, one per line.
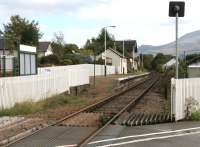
<point>170,63</point>
<point>43,46</point>
<point>195,65</point>
<point>116,52</point>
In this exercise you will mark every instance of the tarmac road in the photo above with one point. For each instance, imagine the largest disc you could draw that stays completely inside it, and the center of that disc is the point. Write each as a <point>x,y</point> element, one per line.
<point>181,134</point>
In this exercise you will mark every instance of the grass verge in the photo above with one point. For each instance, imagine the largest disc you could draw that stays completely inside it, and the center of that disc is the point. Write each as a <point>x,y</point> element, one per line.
<point>30,107</point>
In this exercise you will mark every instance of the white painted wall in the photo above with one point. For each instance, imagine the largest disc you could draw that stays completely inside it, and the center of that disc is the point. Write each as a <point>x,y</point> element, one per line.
<point>182,89</point>
<point>27,48</point>
<point>117,61</point>
<point>49,51</point>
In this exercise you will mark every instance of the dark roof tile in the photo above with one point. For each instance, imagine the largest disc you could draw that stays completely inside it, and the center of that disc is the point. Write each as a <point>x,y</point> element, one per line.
<point>43,46</point>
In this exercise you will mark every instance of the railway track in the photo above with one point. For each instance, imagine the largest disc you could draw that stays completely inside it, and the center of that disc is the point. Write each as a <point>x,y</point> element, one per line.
<point>96,116</point>
<point>132,97</point>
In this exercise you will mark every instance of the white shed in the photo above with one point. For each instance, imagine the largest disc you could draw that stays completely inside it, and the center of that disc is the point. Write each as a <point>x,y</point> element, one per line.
<point>169,64</point>
<point>194,70</point>
<point>113,57</point>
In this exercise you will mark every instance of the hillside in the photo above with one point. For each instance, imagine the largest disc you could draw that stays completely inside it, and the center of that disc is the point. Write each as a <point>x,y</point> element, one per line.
<point>189,43</point>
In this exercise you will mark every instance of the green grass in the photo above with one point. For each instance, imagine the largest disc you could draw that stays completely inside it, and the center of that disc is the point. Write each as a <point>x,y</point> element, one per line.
<point>195,116</point>
<point>30,107</point>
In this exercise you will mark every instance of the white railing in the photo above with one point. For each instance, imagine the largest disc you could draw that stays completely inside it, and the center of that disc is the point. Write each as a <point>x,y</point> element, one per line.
<point>182,89</point>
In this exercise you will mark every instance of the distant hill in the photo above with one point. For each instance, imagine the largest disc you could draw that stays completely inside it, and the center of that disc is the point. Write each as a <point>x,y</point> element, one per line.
<point>189,43</point>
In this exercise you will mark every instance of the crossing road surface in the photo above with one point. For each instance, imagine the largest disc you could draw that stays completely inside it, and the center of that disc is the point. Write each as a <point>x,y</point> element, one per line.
<point>181,134</point>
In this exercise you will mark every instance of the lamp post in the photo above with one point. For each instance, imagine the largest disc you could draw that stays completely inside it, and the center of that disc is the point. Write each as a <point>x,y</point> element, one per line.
<point>105,32</point>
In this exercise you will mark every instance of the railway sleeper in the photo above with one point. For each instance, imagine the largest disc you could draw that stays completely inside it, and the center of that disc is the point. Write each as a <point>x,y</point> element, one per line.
<point>136,119</point>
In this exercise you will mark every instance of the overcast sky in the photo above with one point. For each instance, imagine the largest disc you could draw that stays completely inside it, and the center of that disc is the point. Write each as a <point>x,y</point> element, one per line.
<point>146,21</point>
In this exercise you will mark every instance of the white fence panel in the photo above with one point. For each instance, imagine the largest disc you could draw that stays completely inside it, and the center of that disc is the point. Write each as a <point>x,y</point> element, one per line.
<point>99,69</point>
<point>183,89</point>
<point>18,89</point>
<point>49,81</point>
<point>78,77</point>
<point>36,87</point>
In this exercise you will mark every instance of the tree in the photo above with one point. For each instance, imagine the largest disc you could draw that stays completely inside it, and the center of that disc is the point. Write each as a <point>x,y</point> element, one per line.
<point>70,48</point>
<point>59,38</point>
<point>21,29</point>
<point>66,53</point>
<point>97,44</point>
<point>147,59</point>
<point>58,45</point>
<point>49,60</point>
<point>159,60</point>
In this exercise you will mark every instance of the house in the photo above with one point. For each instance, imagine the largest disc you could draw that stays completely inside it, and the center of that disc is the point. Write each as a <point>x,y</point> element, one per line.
<point>114,58</point>
<point>194,70</point>
<point>44,49</point>
<point>169,64</point>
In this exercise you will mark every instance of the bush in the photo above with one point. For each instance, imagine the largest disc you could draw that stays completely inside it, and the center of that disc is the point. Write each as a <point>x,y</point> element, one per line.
<point>78,59</point>
<point>51,59</point>
<point>195,116</point>
<point>192,106</point>
<point>100,61</point>
<point>67,62</point>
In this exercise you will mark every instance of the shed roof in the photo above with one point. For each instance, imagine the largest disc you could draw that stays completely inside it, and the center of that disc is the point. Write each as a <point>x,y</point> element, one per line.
<point>43,46</point>
<point>116,52</point>
<point>170,63</point>
<point>195,65</point>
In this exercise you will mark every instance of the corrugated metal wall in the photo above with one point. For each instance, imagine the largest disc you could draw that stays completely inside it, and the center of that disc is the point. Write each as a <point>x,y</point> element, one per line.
<point>183,89</point>
<point>49,81</point>
<point>99,69</point>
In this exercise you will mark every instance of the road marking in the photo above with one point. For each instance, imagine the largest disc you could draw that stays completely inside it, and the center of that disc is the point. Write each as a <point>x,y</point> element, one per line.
<point>144,135</point>
<point>149,139</point>
<point>72,145</point>
<point>163,130</point>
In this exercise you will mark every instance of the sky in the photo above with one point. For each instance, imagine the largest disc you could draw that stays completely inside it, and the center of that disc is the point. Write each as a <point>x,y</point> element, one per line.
<point>146,21</point>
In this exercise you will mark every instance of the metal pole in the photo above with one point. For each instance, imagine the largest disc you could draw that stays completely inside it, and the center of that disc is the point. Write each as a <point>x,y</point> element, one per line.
<point>18,49</point>
<point>185,67</point>
<point>176,45</point>
<point>105,53</point>
<point>123,58</point>
<point>4,57</point>
<point>94,68</point>
<point>123,48</point>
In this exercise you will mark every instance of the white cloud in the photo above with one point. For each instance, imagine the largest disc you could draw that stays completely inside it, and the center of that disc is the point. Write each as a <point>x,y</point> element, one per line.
<point>146,21</point>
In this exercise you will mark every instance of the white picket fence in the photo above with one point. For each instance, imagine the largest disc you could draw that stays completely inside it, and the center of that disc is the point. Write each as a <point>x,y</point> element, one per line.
<point>182,89</point>
<point>49,81</point>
